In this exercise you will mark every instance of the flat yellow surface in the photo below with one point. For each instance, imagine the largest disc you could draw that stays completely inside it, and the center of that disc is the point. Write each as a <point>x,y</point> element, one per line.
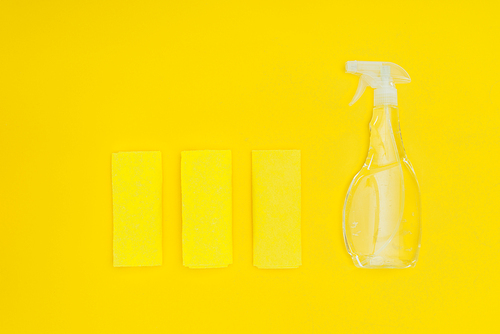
<point>80,80</point>
<point>137,209</point>
<point>207,211</point>
<point>276,209</point>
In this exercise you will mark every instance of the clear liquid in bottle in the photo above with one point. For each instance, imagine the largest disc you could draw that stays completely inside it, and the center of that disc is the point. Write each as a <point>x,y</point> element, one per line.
<point>382,218</point>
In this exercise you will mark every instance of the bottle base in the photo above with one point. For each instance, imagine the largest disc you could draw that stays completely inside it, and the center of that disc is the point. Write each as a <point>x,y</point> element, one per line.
<point>381,262</point>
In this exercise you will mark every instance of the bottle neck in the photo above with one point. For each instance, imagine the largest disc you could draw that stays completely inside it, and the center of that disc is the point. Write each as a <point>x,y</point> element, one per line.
<point>386,145</point>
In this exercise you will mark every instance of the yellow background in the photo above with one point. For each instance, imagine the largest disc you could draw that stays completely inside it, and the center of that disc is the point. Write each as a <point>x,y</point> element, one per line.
<point>82,79</point>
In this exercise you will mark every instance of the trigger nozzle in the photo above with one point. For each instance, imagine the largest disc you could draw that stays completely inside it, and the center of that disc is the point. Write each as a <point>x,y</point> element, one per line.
<point>381,76</point>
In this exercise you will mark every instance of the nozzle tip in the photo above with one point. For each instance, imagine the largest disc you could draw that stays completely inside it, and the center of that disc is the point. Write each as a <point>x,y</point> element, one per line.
<point>351,66</point>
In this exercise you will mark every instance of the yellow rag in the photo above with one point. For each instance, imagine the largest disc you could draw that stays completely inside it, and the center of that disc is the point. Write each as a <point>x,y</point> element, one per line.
<point>276,194</point>
<point>137,209</point>
<point>206,178</point>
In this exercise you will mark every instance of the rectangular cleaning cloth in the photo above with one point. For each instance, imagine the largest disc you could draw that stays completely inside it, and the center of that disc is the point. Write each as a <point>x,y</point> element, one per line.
<point>206,179</point>
<point>137,209</point>
<point>276,195</point>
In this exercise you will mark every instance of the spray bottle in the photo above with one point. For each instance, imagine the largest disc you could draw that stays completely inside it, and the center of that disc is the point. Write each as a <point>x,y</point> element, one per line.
<point>382,215</point>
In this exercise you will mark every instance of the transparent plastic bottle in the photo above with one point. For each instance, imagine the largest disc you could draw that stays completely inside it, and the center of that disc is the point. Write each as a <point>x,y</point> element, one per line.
<point>382,214</point>
<point>382,208</point>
